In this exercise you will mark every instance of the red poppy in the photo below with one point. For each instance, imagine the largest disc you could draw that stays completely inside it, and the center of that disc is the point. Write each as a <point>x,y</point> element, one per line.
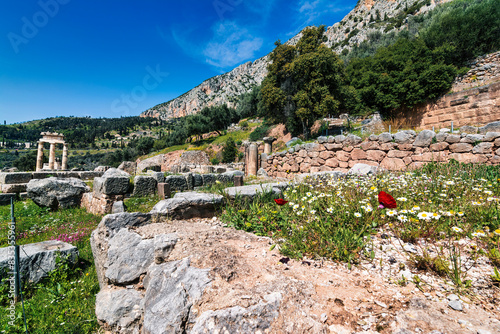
<point>280,201</point>
<point>386,200</point>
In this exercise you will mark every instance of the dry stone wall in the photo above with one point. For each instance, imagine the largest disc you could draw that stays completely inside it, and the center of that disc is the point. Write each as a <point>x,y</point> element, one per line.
<point>394,152</point>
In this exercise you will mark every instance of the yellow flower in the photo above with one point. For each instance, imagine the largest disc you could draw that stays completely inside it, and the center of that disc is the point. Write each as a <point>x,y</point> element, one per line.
<point>497,231</point>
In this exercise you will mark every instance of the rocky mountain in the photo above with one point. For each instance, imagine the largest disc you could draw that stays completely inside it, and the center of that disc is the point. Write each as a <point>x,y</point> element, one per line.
<point>367,17</point>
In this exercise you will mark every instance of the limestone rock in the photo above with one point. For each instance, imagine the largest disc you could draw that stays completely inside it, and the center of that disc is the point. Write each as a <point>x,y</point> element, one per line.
<point>468,129</point>
<point>451,139</point>
<point>177,182</point>
<point>38,259</point>
<point>166,307</point>
<point>460,147</point>
<point>250,191</point>
<point>483,148</point>
<point>163,245</point>
<point>364,169</point>
<point>404,137</point>
<point>254,319</point>
<point>54,192</point>
<point>115,172</point>
<point>194,158</point>
<point>385,137</point>
<point>292,141</point>
<point>188,205</point>
<point>228,177</point>
<point>119,309</point>
<point>128,167</point>
<point>144,185</point>
<point>128,257</point>
<point>424,138</point>
<point>491,127</point>
<point>118,207</point>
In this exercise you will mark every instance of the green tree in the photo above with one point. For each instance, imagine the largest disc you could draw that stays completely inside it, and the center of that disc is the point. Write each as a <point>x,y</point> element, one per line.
<point>229,151</point>
<point>304,82</point>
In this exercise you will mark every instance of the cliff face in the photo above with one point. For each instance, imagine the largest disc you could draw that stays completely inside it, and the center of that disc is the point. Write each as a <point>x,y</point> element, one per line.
<point>367,17</point>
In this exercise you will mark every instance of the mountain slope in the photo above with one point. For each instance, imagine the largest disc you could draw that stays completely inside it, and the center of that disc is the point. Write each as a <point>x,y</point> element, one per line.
<point>367,17</point>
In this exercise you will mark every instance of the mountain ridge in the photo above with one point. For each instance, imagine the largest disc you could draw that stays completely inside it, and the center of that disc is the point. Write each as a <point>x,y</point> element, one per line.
<point>367,17</point>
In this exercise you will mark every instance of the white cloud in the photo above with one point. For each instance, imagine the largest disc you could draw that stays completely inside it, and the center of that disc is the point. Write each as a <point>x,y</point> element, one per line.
<point>311,10</point>
<point>231,45</point>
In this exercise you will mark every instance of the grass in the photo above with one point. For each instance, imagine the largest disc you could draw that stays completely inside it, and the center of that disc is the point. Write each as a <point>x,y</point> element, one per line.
<point>65,301</point>
<point>141,204</point>
<point>335,219</point>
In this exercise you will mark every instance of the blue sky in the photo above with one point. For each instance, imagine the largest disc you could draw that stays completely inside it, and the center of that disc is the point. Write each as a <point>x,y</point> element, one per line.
<point>118,58</point>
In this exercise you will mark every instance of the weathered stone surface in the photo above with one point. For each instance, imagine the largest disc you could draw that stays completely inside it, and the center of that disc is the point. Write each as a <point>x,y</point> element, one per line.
<point>228,177</point>
<point>194,158</point>
<point>491,127</point>
<point>343,156</point>
<point>115,172</point>
<point>483,148</point>
<point>460,147</point>
<point>253,190</point>
<point>254,319</point>
<point>158,176</point>
<point>118,207</point>
<point>54,193</point>
<point>322,139</point>
<point>179,182</point>
<point>358,154</point>
<point>38,259</point>
<point>468,157</point>
<point>468,129</point>
<point>292,141</point>
<point>326,155</point>
<point>119,309</point>
<point>12,178</point>
<point>375,155</point>
<point>128,167</point>
<point>333,147</point>
<point>441,146</point>
<point>14,188</point>
<point>398,154</point>
<point>209,179</point>
<point>393,164</point>
<point>163,245</point>
<point>111,185</point>
<point>188,205</point>
<point>404,137</point>
<point>333,162</point>
<point>389,146</point>
<point>370,145</point>
<point>166,307</point>
<point>352,140</point>
<point>424,138</point>
<point>144,186</point>
<point>491,136</point>
<point>385,137</point>
<point>472,139</point>
<point>453,139</point>
<point>441,136</point>
<point>364,169</point>
<point>339,139</point>
<point>112,223</point>
<point>124,265</point>
<point>101,168</point>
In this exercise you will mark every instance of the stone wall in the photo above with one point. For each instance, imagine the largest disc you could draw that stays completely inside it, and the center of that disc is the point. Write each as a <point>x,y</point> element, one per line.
<point>16,182</point>
<point>484,70</point>
<point>395,152</point>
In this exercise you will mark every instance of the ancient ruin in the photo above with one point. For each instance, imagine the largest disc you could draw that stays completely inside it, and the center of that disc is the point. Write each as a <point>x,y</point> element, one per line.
<point>53,139</point>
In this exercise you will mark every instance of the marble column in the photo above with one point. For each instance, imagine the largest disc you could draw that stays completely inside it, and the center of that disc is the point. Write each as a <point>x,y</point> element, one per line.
<point>253,159</point>
<point>65,157</point>
<point>268,145</point>
<point>52,156</point>
<point>39,157</point>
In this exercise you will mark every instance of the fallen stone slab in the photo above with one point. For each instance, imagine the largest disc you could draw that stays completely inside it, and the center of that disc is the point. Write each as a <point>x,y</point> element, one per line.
<point>117,310</point>
<point>188,205</point>
<point>364,169</point>
<point>12,178</point>
<point>112,185</point>
<point>38,259</point>
<point>57,193</point>
<point>14,188</point>
<point>250,191</point>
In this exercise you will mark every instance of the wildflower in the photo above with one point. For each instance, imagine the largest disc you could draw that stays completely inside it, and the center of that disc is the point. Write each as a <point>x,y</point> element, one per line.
<point>435,215</point>
<point>368,209</point>
<point>386,200</point>
<point>280,201</point>
<point>416,208</point>
<point>357,214</point>
<point>313,212</point>
<point>424,215</point>
<point>402,218</point>
<point>476,203</point>
<point>449,183</point>
<point>460,213</point>
<point>457,229</point>
<point>329,210</point>
<point>402,199</point>
<point>391,213</point>
<point>479,234</point>
<point>497,231</point>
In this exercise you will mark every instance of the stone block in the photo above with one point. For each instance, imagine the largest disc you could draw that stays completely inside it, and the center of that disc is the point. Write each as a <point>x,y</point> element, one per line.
<point>186,205</point>
<point>393,164</point>
<point>370,145</point>
<point>441,146</point>
<point>424,138</point>
<point>179,182</point>
<point>15,178</point>
<point>326,155</point>
<point>163,190</point>
<point>358,154</point>
<point>111,185</point>
<point>343,156</point>
<point>398,154</point>
<point>483,148</point>
<point>452,139</point>
<point>491,136</point>
<point>38,259</point>
<point>385,137</point>
<point>405,147</point>
<point>14,188</point>
<point>460,147</point>
<point>144,186</point>
<point>388,146</point>
<point>468,157</point>
<point>238,180</point>
<point>333,147</point>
